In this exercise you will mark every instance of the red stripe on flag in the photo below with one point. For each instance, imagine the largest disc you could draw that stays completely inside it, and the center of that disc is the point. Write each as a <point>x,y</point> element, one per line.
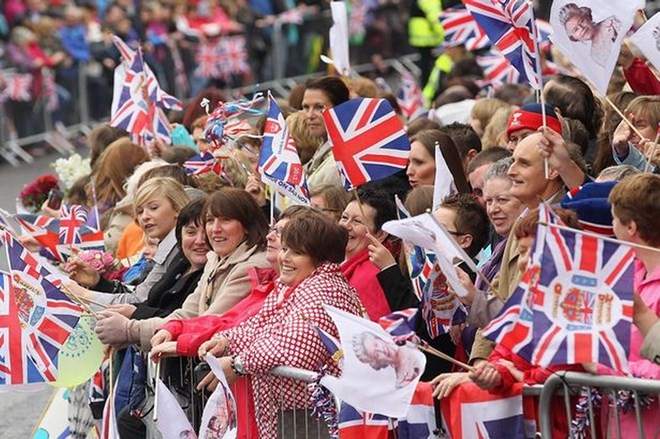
<point>589,251</point>
<point>623,263</point>
<point>612,350</point>
<point>368,113</point>
<point>583,348</point>
<point>53,330</point>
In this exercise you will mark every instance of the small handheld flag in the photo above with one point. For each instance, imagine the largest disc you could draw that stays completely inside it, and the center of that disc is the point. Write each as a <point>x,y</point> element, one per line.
<point>368,140</point>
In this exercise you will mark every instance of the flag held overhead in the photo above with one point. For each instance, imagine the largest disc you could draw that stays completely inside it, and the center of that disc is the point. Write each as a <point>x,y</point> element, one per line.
<point>368,140</point>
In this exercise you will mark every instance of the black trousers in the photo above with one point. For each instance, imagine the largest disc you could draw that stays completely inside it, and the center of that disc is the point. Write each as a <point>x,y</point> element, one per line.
<point>130,427</point>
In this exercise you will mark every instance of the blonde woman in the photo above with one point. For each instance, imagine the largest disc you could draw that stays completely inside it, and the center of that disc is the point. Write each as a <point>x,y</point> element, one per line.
<point>157,205</point>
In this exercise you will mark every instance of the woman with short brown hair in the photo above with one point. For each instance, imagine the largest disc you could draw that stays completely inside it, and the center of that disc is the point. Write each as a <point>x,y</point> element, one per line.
<point>282,333</point>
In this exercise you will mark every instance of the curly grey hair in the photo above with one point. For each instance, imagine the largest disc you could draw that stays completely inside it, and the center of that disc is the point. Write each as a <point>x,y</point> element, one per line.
<point>499,169</point>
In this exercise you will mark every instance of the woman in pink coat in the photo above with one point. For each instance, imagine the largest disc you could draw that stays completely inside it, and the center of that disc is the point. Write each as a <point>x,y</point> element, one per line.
<point>636,209</point>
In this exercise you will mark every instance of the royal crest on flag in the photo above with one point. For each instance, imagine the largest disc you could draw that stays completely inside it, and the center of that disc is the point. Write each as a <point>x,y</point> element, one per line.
<point>582,302</point>
<point>368,140</point>
<point>35,319</point>
<point>511,26</point>
<point>279,161</point>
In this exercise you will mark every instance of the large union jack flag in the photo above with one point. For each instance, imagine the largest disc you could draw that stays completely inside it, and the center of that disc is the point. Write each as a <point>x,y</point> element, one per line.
<point>35,319</point>
<point>46,231</point>
<point>582,303</point>
<point>410,96</point>
<point>461,28</point>
<point>510,25</point>
<point>279,158</point>
<point>368,140</point>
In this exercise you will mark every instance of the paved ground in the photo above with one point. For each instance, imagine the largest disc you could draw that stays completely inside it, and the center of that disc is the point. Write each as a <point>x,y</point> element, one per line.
<point>19,412</point>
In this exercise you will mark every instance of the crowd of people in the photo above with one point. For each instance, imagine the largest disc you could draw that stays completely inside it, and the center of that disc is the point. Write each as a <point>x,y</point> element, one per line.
<point>65,46</point>
<point>215,268</point>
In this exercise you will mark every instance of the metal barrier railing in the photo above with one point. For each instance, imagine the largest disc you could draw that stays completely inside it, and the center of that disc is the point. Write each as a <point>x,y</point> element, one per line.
<point>297,422</point>
<point>573,383</point>
<point>283,56</point>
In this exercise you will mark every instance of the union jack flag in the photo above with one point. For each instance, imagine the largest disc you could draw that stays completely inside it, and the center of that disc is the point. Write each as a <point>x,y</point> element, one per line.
<point>46,231</point>
<point>401,325</point>
<point>510,25</point>
<point>279,158</point>
<point>436,288</point>
<point>497,69</point>
<point>513,326</point>
<point>331,344</point>
<point>357,19</point>
<point>410,96</point>
<point>200,164</point>
<point>544,30</point>
<point>582,303</point>
<point>50,90</point>
<point>222,58</point>
<point>138,99</point>
<point>156,94</point>
<point>461,28</point>
<point>71,219</point>
<point>17,87</point>
<point>208,59</point>
<point>236,57</point>
<point>355,424</point>
<point>35,319</point>
<point>368,140</point>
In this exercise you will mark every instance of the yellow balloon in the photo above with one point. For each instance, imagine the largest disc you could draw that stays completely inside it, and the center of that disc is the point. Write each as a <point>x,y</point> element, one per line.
<point>81,356</point>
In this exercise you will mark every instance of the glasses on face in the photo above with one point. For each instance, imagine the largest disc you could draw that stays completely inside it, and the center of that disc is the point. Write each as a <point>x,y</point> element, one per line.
<point>276,230</point>
<point>456,232</point>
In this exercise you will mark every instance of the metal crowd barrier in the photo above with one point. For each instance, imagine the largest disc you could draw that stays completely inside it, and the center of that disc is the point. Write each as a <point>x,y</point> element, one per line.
<point>12,147</point>
<point>575,384</point>
<point>178,376</point>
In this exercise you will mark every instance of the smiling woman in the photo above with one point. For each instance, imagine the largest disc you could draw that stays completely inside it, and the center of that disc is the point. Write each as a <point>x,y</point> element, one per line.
<point>282,333</point>
<point>157,205</point>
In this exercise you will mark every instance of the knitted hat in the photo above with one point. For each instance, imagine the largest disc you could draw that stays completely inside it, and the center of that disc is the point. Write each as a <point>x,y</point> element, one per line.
<point>530,117</point>
<point>590,203</point>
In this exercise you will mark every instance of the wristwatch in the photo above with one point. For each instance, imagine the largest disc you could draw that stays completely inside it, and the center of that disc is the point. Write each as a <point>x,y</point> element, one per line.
<point>237,365</point>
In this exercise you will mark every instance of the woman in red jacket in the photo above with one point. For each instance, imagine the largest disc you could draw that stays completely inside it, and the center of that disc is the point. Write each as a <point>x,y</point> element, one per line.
<point>282,333</point>
<point>363,222</point>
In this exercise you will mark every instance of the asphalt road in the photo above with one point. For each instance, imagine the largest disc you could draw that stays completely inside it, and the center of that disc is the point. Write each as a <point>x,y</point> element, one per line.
<point>19,411</point>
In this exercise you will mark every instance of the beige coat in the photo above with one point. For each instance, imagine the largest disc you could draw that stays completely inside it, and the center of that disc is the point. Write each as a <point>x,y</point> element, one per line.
<point>224,283</point>
<point>504,283</point>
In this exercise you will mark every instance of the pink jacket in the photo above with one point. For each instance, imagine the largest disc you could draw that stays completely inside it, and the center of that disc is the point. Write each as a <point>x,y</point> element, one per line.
<point>649,290</point>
